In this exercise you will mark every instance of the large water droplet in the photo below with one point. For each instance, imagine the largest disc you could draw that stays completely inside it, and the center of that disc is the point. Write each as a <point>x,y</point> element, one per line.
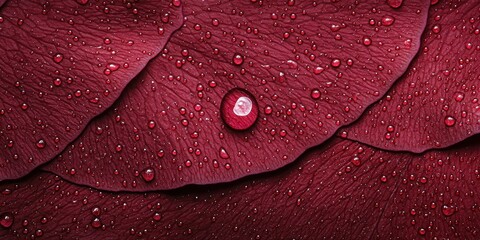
<point>239,109</point>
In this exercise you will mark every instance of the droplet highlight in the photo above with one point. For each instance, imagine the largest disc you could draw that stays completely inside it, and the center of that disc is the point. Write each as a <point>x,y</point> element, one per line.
<point>239,109</point>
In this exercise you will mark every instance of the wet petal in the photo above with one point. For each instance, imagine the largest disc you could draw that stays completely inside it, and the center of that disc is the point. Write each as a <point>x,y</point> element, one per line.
<point>339,190</point>
<point>245,88</point>
<point>435,104</point>
<point>62,63</point>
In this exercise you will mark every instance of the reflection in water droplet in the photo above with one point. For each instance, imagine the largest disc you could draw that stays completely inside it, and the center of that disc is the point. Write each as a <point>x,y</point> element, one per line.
<point>243,106</point>
<point>239,109</point>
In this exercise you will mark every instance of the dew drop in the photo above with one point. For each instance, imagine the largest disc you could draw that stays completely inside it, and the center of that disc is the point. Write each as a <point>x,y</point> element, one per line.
<point>157,217</point>
<point>177,3</point>
<point>151,124</point>
<point>335,62</point>
<point>239,109</point>
<point>82,2</point>
<point>148,174</point>
<point>448,210</point>
<point>6,220</point>
<point>237,59</point>
<point>315,94</point>
<point>58,57</point>
<point>224,153</point>
<point>450,121</point>
<point>367,41</point>
<point>318,70</point>
<point>41,144</point>
<point>96,211</point>
<point>459,96</point>
<point>388,20</point>
<point>96,223</point>
<point>395,3</point>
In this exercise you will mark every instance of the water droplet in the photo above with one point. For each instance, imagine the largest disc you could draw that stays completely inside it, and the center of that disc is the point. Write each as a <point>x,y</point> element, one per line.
<point>224,153</point>
<point>318,70</point>
<point>388,20</point>
<point>239,109</point>
<point>450,121</point>
<point>82,2</point>
<point>177,3</point>
<point>237,59</point>
<point>367,41</point>
<point>6,220</point>
<point>315,94</point>
<point>96,223</point>
<point>336,62</point>
<point>459,97</point>
<point>157,216</point>
<point>151,124</point>
<point>96,211</point>
<point>148,174</point>
<point>395,3</point>
<point>58,57</point>
<point>41,144</point>
<point>448,210</point>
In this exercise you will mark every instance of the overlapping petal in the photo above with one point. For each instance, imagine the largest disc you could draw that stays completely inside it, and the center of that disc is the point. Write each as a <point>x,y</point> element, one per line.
<point>64,62</point>
<point>339,190</point>
<point>435,104</point>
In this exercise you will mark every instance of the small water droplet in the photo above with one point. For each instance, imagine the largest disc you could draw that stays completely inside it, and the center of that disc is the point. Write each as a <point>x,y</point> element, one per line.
<point>436,29</point>
<point>388,20</point>
<point>448,210</point>
<point>224,153</point>
<point>239,109</point>
<point>58,57</point>
<point>82,2</point>
<point>336,62</point>
<point>176,3</point>
<point>450,121</point>
<point>151,124</point>
<point>148,174</point>
<point>41,144</point>
<point>96,211</point>
<point>96,223</point>
<point>315,94</point>
<point>395,3</point>
<point>237,59</point>
<point>157,217</point>
<point>367,41</point>
<point>459,96</point>
<point>6,220</point>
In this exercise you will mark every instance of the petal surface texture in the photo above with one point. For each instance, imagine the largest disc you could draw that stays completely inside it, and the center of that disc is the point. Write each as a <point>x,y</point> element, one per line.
<point>435,104</point>
<point>64,62</point>
<point>245,87</point>
<point>341,190</point>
